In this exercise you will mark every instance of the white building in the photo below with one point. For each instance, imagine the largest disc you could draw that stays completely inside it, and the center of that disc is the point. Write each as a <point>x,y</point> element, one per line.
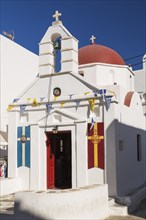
<point>140,83</point>
<point>18,68</point>
<point>81,125</point>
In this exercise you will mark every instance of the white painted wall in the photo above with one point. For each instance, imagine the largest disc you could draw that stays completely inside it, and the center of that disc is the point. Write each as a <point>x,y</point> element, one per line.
<point>81,176</point>
<point>106,74</point>
<point>133,115</point>
<point>12,143</point>
<point>75,119</point>
<point>10,185</point>
<point>131,122</point>
<point>123,172</point>
<point>95,175</point>
<point>35,157</point>
<point>80,203</point>
<point>36,177</point>
<point>130,171</point>
<point>110,149</point>
<point>18,68</point>
<point>69,50</point>
<point>81,154</point>
<point>24,174</point>
<point>140,77</point>
<point>140,84</point>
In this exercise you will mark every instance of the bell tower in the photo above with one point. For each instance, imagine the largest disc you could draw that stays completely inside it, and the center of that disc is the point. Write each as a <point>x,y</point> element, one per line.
<point>58,40</point>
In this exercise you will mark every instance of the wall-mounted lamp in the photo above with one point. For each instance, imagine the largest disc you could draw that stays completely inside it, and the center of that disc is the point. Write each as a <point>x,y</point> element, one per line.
<point>55,129</point>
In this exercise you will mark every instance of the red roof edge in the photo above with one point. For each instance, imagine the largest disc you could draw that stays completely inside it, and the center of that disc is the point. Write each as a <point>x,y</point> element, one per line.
<point>128,98</point>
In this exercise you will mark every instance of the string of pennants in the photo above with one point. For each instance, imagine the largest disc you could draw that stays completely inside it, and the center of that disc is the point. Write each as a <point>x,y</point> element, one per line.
<point>49,107</point>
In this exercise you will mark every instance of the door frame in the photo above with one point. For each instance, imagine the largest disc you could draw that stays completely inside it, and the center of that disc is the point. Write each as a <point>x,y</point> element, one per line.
<point>50,159</point>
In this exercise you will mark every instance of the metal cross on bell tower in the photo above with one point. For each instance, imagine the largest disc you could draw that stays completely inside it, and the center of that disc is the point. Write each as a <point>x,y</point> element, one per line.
<point>57,15</point>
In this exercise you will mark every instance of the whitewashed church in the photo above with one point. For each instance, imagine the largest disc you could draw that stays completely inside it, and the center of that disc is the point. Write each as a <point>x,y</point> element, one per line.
<point>80,122</point>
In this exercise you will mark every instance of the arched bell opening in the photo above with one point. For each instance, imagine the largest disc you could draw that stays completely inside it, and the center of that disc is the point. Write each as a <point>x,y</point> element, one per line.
<point>56,39</point>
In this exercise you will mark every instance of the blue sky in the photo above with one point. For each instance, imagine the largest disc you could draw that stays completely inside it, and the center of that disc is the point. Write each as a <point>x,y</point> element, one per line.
<point>118,24</point>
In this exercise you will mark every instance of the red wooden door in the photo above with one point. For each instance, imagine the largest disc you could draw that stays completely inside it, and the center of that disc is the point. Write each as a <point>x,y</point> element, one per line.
<point>50,166</point>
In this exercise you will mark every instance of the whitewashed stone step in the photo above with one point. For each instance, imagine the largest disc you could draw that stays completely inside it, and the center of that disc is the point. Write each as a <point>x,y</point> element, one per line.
<point>117,210</point>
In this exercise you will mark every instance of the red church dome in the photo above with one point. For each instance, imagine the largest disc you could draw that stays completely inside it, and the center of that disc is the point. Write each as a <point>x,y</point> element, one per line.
<point>96,53</point>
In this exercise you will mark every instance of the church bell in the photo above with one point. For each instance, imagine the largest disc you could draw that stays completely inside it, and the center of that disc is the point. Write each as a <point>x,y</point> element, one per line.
<point>57,45</point>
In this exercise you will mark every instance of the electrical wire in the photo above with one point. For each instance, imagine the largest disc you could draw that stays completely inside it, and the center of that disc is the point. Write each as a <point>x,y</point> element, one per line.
<point>134,57</point>
<point>135,64</point>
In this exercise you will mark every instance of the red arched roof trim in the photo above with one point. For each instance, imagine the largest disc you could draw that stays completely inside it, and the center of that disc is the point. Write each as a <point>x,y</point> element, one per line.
<point>128,98</point>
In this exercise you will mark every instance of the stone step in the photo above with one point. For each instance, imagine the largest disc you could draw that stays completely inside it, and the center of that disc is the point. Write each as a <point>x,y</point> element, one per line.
<point>7,205</point>
<point>117,210</point>
<point>111,201</point>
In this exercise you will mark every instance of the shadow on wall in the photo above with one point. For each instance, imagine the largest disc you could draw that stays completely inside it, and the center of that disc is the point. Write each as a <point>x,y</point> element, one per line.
<point>126,158</point>
<point>141,210</point>
<point>7,217</point>
<point>23,215</point>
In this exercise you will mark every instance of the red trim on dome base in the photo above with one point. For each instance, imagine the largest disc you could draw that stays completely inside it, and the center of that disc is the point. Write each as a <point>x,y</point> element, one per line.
<point>96,53</point>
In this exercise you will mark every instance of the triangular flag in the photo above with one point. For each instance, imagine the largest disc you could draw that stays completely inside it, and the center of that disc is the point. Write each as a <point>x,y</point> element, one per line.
<point>28,99</point>
<point>15,100</point>
<point>55,97</point>
<point>48,107</point>
<point>42,98</point>
<point>62,104</point>
<point>95,93</point>
<point>70,96</point>
<point>92,124</point>
<point>10,107</point>
<point>86,93</point>
<point>35,103</point>
<point>92,103</point>
<point>102,91</point>
<point>77,103</point>
<point>108,101</point>
<point>22,108</point>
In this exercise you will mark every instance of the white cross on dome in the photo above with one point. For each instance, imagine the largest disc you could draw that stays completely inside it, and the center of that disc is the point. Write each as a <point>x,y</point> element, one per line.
<point>92,39</point>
